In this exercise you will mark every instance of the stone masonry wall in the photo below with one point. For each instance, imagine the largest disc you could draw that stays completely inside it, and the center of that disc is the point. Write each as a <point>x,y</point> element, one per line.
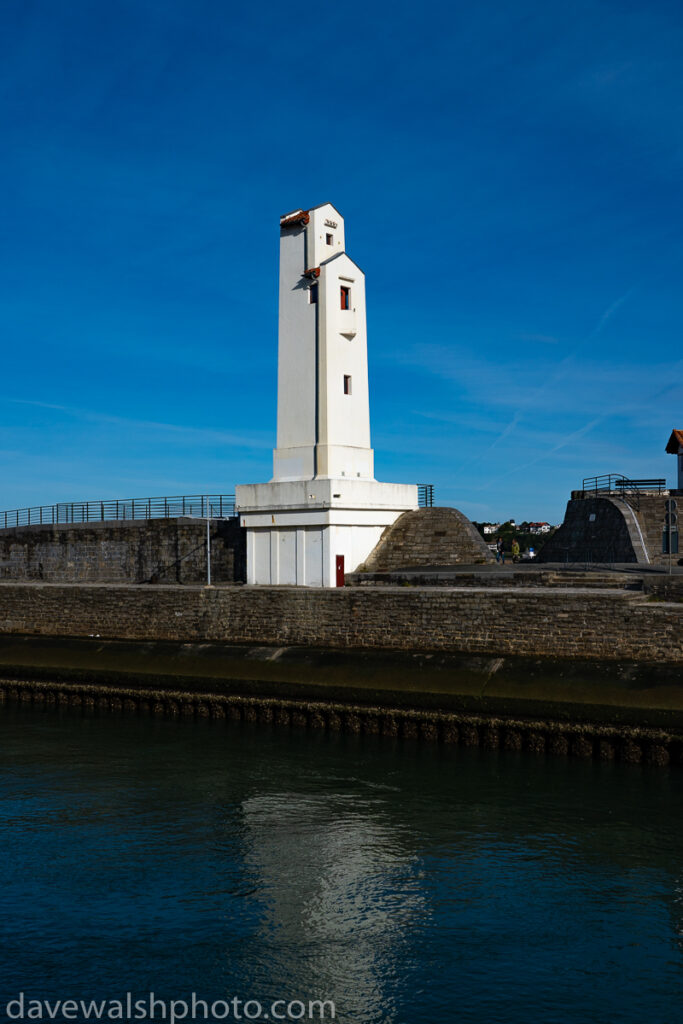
<point>604,530</point>
<point>586,624</point>
<point>612,535</point>
<point>594,530</point>
<point>141,551</point>
<point>428,536</point>
<point>663,587</point>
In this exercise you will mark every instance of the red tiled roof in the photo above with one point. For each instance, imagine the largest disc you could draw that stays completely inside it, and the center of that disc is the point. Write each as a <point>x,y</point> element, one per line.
<point>675,442</point>
<point>296,217</point>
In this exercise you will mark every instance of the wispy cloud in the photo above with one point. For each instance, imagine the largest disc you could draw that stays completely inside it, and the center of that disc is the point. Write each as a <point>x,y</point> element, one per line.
<point>562,369</point>
<point>571,439</point>
<point>604,319</point>
<point>561,372</point>
<point>247,439</point>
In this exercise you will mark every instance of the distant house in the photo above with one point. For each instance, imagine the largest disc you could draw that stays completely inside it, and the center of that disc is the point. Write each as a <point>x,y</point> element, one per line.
<point>540,527</point>
<point>489,528</point>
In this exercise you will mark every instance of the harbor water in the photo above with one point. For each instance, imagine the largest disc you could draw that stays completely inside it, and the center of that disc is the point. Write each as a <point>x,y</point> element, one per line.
<point>405,882</point>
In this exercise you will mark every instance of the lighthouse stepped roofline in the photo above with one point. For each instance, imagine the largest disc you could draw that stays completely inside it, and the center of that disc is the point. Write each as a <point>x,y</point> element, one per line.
<point>323,509</point>
<point>323,230</point>
<point>323,425</point>
<point>304,214</point>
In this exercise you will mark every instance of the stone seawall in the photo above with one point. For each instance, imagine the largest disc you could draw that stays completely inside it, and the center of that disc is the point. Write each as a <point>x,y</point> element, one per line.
<point>592,673</point>
<point>595,624</point>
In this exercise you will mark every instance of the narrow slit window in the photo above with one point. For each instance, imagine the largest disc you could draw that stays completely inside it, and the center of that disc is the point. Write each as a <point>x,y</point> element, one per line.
<point>345,297</point>
<point>347,384</point>
<point>313,293</point>
<point>330,239</point>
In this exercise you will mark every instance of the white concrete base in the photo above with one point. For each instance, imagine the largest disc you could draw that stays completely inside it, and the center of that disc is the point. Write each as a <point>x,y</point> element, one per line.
<point>298,530</point>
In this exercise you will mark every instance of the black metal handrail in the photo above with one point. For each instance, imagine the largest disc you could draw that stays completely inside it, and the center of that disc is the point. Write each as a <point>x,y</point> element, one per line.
<point>611,483</point>
<point>425,495</point>
<point>213,506</point>
<point>657,484</point>
<point>607,482</point>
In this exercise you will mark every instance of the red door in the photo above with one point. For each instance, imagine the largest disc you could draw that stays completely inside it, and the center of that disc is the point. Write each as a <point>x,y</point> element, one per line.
<point>340,570</point>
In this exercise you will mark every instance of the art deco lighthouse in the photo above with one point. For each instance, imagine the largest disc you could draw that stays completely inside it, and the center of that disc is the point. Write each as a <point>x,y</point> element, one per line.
<point>323,424</point>
<point>323,511</point>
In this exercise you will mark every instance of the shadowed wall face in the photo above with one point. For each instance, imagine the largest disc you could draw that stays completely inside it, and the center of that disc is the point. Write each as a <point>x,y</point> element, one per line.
<point>594,530</point>
<point>608,529</point>
<point>152,551</point>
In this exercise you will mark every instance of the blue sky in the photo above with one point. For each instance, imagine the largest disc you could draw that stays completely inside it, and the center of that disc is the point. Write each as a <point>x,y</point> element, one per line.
<point>510,176</point>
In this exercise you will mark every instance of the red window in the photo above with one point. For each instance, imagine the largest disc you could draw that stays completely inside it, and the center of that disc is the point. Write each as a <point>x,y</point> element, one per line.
<point>345,297</point>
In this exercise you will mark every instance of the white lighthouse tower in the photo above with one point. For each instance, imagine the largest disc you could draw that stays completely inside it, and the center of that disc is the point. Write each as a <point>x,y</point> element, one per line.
<point>323,512</point>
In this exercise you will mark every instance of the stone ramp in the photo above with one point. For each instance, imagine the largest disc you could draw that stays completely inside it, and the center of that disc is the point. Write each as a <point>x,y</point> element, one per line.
<point>635,531</point>
<point>428,536</point>
<point>651,518</point>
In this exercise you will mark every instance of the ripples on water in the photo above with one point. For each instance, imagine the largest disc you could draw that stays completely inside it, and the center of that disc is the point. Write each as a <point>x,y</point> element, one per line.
<point>409,883</point>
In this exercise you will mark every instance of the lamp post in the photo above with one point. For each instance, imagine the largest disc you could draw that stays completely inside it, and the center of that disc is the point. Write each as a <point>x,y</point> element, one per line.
<point>208,544</point>
<point>671,526</point>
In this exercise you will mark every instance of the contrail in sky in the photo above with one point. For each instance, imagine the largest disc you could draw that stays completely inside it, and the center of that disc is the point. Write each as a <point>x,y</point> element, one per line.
<point>555,376</point>
<point>585,430</point>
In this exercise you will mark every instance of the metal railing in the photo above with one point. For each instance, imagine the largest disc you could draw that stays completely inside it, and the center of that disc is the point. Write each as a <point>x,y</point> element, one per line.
<point>615,483</point>
<point>425,495</point>
<point>213,506</point>
<point>628,490</point>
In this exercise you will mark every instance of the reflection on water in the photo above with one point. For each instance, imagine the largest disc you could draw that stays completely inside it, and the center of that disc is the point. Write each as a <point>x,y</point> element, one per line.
<point>340,890</point>
<point>408,883</point>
